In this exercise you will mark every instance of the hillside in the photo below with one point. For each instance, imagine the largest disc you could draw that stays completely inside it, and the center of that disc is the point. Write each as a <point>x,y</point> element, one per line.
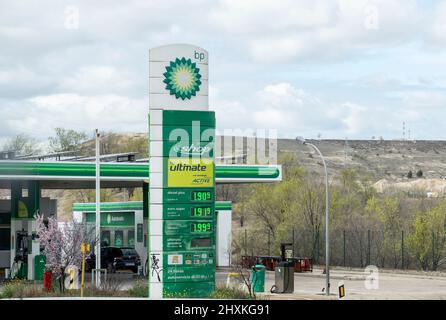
<point>387,163</point>
<point>381,159</point>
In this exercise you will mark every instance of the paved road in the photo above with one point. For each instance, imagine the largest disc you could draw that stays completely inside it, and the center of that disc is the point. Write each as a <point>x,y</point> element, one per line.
<point>387,285</point>
<point>391,285</point>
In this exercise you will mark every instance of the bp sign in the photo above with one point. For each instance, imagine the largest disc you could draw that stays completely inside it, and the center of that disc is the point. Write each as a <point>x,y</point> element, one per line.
<point>182,174</point>
<point>182,78</point>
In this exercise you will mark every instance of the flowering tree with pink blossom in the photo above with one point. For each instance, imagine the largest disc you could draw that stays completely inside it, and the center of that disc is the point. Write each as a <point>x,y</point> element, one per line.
<point>62,246</point>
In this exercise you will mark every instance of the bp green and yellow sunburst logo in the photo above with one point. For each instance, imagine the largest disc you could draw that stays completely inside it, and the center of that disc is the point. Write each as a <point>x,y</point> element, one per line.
<point>182,78</point>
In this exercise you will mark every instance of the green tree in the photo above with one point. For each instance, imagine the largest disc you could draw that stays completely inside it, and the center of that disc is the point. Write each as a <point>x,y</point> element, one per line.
<point>388,211</point>
<point>418,240</point>
<point>22,144</point>
<point>428,236</point>
<point>311,206</point>
<point>66,140</point>
<point>348,197</point>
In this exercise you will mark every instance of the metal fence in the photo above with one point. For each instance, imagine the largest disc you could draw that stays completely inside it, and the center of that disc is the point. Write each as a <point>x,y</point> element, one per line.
<point>348,248</point>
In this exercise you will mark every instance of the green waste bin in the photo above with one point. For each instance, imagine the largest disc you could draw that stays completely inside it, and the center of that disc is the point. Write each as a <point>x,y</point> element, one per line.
<point>258,278</point>
<point>39,266</point>
<point>22,273</point>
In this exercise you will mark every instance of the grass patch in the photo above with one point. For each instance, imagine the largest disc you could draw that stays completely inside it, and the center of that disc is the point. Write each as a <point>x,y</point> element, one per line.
<point>16,288</point>
<point>230,293</point>
<point>140,289</point>
<point>26,289</point>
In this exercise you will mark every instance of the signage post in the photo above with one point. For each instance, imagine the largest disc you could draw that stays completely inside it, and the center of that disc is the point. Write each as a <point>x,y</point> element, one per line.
<point>182,221</point>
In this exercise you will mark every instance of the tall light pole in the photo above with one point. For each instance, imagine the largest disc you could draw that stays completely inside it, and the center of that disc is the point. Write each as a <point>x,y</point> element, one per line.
<point>327,215</point>
<point>98,210</point>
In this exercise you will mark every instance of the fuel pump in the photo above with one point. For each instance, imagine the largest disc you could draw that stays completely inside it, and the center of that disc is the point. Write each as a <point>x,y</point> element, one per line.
<point>20,269</point>
<point>284,272</point>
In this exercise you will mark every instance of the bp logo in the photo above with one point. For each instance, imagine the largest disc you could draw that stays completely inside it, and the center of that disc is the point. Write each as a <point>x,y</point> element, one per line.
<point>182,78</point>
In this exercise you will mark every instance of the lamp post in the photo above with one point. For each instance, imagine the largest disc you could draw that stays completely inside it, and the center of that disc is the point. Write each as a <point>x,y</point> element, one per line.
<point>98,209</point>
<point>327,214</point>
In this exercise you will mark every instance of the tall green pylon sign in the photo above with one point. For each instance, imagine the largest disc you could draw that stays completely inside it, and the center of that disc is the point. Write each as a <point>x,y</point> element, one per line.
<point>182,222</point>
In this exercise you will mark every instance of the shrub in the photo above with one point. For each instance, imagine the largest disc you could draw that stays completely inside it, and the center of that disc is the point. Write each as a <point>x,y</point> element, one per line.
<point>20,289</point>
<point>410,174</point>
<point>178,295</point>
<point>229,293</point>
<point>419,173</point>
<point>25,289</point>
<point>140,289</point>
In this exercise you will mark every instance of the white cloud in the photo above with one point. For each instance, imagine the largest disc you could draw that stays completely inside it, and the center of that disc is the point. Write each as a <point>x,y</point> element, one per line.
<point>258,16</point>
<point>229,113</point>
<point>40,115</point>
<point>19,81</point>
<point>437,27</point>
<point>353,117</point>
<point>421,99</point>
<point>286,30</point>
<point>291,110</point>
<point>379,80</point>
<point>97,79</point>
<point>96,76</point>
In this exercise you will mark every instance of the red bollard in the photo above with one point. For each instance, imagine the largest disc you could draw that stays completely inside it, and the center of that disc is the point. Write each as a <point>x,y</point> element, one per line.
<point>47,280</point>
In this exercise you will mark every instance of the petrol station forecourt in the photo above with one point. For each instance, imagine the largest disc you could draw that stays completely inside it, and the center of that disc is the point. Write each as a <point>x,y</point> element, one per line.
<point>179,242</point>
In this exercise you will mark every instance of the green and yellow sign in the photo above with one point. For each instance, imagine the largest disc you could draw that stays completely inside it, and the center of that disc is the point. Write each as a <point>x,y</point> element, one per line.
<point>189,219</point>
<point>190,173</point>
<point>22,210</point>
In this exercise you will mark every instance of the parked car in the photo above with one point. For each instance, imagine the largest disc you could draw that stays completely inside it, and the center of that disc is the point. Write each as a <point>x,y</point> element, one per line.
<point>114,258</point>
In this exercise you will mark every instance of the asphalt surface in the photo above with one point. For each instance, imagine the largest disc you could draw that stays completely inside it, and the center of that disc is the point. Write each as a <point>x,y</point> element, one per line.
<point>358,284</point>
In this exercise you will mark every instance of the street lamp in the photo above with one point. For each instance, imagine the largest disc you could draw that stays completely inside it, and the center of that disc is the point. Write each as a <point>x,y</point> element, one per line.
<point>327,214</point>
<point>98,209</point>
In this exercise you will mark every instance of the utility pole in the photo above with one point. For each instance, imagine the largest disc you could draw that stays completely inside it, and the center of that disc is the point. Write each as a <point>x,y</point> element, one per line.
<point>344,245</point>
<point>98,211</point>
<point>404,130</point>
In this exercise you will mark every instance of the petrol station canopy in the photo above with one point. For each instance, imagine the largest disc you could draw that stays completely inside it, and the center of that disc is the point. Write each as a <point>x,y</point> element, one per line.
<point>81,175</point>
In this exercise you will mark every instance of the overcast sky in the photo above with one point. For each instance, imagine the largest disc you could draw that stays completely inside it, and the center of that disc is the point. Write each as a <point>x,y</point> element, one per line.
<point>337,69</point>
